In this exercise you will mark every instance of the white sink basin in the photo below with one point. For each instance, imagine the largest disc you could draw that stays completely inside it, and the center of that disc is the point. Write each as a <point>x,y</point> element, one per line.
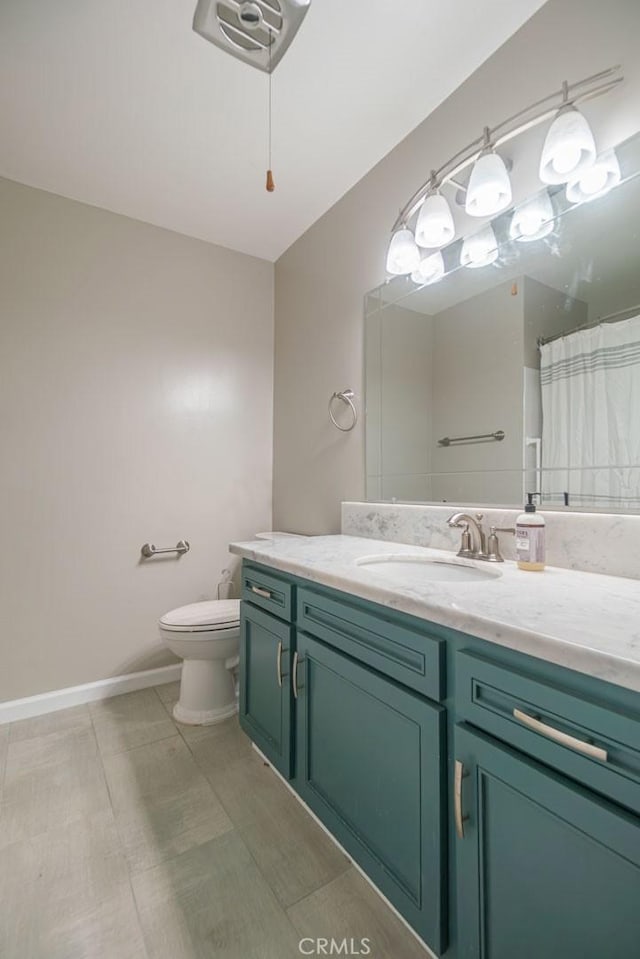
<point>404,569</point>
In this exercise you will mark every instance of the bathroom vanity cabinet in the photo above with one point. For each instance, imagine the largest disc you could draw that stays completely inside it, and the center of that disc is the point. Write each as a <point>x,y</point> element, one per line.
<point>370,764</point>
<point>493,798</point>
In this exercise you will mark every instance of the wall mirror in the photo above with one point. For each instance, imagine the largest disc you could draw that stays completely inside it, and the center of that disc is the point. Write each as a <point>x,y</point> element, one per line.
<point>521,371</point>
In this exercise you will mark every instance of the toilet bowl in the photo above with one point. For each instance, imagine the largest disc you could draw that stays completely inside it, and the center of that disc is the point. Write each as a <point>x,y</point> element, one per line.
<point>206,636</point>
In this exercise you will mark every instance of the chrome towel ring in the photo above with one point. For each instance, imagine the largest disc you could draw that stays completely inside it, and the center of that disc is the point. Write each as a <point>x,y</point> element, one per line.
<point>347,397</point>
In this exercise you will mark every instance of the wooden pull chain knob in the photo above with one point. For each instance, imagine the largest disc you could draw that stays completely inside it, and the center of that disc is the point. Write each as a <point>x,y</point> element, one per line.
<point>270,184</point>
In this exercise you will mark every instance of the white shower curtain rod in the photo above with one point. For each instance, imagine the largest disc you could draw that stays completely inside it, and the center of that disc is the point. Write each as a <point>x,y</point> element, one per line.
<point>609,318</point>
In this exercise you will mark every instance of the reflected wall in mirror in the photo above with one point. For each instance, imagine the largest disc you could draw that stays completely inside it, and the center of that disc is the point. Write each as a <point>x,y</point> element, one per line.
<point>541,345</point>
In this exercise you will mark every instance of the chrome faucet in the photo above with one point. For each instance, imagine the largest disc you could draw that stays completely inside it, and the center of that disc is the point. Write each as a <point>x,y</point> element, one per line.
<point>491,552</point>
<point>463,521</point>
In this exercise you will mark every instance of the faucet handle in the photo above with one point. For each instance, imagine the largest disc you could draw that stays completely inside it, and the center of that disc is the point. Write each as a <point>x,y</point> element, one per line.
<point>465,543</point>
<point>493,545</point>
<point>457,521</point>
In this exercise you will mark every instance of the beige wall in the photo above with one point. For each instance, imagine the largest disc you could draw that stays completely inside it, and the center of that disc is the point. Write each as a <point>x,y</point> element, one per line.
<point>398,423</point>
<point>322,278</point>
<point>135,405</point>
<point>547,312</point>
<point>477,388</point>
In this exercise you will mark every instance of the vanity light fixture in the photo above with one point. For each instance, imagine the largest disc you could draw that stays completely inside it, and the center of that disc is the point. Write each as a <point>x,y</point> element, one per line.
<point>533,219</point>
<point>430,269</point>
<point>597,180</point>
<point>569,152</point>
<point>403,256</point>
<point>489,189</point>
<point>435,227</point>
<point>480,249</point>
<point>569,147</point>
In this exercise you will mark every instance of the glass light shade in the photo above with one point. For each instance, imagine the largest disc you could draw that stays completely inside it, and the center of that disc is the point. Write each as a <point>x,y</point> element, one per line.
<point>481,249</point>
<point>489,189</point>
<point>403,255</point>
<point>435,226</point>
<point>569,147</point>
<point>533,219</point>
<point>430,270</point>
<point>597,180</point>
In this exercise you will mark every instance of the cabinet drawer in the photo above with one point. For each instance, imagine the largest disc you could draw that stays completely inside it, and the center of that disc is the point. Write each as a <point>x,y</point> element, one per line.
<point>589,740</point>
<point>267,590</point>
<point>412,657</point>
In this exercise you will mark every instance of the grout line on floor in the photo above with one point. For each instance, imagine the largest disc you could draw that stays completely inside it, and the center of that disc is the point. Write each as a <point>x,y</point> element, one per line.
<point>354,864</point>
<point>120,846</point>
<point>106,780</point>
<point>135,904</point>
<point>283,909</point>
<point>121,849</point>
<point>308,895</point>
<point>155,689</point>
<point>3,769</point>
<point>129,749</point>
<point>348,862</point>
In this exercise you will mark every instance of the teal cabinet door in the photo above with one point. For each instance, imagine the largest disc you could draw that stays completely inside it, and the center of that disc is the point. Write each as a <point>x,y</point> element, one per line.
<point>265,684</point>
<point>545,868</point>
<point>369,763</point>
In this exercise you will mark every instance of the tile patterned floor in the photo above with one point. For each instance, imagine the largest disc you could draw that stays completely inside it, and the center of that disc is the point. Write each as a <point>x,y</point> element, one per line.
<point>125,835</point>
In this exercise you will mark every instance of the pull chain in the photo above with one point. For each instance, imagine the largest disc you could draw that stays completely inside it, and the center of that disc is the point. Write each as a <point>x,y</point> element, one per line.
<point>270,184</point>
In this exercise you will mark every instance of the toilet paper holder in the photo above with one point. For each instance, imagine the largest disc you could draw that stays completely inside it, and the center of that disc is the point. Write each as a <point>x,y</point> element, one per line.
<point>149,550</point>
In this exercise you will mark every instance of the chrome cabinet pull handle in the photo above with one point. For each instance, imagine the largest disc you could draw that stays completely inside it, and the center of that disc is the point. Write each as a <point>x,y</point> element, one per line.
<point>595,752</point>
<point>294,675</point>
<point>261,592</point>
<point>459,775</point>
<point>279,664</point>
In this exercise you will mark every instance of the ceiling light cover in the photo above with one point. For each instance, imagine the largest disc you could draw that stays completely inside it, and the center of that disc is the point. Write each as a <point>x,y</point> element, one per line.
<point>481,249</point>
<point>258,33</point>
<point>569,147</point>
<point>489,189</point>
<point>597,180</point>
<point>404,255</point>
<point>430,270</point>
<point>533,219</point>
<point>435,227</point>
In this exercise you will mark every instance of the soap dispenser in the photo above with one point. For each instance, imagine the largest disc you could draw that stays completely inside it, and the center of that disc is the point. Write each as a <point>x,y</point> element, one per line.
<point>530,537</point>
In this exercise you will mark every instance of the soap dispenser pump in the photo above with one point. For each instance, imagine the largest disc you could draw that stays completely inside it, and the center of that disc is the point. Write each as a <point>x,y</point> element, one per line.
<point>530,537</point>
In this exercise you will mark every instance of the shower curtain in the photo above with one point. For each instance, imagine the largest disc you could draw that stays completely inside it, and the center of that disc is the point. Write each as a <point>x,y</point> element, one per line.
<point>590,382</point>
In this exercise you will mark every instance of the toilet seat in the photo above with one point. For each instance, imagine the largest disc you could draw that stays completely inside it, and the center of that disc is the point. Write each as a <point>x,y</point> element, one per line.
<point>209,616</point>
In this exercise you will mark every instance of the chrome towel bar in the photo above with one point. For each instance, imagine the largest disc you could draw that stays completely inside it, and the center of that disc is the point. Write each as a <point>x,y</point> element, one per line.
<point>149,550</point>
<point>448,440</point>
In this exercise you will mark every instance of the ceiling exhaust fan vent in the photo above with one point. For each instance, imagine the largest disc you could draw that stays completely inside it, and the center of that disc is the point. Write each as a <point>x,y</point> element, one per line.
<point>247,28</point>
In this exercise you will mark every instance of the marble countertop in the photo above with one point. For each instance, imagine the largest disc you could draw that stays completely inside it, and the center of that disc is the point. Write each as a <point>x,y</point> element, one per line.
<point>584,621</point>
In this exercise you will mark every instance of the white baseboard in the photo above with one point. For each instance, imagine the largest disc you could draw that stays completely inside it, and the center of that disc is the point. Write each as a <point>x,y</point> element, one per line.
<point>430,954</point>
<point>87,693</point>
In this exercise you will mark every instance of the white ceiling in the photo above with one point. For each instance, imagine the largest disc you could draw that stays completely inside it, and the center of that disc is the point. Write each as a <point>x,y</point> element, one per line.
<point>119,104</point>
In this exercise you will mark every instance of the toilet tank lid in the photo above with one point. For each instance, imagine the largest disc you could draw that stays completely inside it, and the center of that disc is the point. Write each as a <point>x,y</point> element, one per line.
<point>214,612</point>
<point>276,535</point>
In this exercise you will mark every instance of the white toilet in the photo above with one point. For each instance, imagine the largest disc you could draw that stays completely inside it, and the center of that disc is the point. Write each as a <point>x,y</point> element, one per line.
<point>207,637</point>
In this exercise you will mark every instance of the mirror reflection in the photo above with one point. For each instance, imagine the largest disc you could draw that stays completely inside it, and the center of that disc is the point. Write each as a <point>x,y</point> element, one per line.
<point>520,370</point>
